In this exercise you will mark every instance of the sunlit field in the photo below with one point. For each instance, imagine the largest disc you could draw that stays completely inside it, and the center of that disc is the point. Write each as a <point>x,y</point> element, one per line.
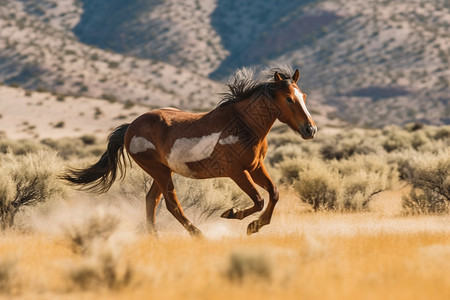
<point>354,221</point>
<point>301,255</point>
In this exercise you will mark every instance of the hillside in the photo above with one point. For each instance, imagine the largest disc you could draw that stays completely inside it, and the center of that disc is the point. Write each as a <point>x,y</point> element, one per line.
<point>381,63</point>
<point>37,55</point>
<point>37,115</point>
<point>377,62</point>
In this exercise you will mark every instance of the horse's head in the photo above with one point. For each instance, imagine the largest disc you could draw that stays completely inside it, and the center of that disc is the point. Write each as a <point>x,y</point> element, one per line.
<point>290,100</point>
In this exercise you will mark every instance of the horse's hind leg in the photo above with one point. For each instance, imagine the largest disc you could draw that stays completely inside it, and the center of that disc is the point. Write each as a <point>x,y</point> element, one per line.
<point>245,182</point>
<point>173,205</point>
<point>262,178</point>
<point>151,202</point>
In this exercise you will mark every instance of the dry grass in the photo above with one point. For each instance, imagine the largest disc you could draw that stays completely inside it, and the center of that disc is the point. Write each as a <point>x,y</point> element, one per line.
<point>301,254</point>
<point>95,247</point>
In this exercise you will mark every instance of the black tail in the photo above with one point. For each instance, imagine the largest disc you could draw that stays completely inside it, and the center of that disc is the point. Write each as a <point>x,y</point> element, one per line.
<point>100,176</point>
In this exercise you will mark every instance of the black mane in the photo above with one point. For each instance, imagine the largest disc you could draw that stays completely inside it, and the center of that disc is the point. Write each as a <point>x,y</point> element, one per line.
<point>246,84</point>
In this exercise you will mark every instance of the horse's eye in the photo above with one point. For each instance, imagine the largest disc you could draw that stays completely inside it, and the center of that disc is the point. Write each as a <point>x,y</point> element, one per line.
<point>290,100</point>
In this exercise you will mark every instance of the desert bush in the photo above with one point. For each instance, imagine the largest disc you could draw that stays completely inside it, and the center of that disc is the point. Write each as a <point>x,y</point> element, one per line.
<point>289,151</point>
<point>398,139</point>
<point>19,147</point>
<point>97,229</point>
<point>442,133</point>
<point>349,144</point>
<point>102,271</point>
<point>8,284</point>
<point>362,177</point>
<point>429,176</point>
<point>318,186</point>
<point>25,181</point>
<point>88,139</point>
<point>280,137</point>
<point>289,170</point>
<point>101,266</point>
<point>60,124</point>
<point>345,185</point>
<point>68,148</point>
<point>244,264</point>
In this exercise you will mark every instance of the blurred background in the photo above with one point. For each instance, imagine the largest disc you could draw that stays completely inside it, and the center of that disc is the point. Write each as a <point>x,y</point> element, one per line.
<point>369,63</point>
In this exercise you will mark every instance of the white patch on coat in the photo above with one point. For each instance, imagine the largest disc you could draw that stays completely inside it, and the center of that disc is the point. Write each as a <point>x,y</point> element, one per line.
<point>300,97</point>
<point>231,139</point>
<point>140,144</point>
<point>186,150</point>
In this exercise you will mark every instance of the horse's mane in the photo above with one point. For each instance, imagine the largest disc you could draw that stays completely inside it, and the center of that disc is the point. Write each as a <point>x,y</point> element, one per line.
<point>245,84</point>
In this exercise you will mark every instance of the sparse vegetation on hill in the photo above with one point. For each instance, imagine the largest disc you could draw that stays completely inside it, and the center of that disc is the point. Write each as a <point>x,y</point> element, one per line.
<point>36,55</point>
<point>379,62</point>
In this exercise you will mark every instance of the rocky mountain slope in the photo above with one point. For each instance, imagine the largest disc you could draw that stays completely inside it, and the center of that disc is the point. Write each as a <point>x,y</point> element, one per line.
<point>378,62</point>
<point>39,55</point>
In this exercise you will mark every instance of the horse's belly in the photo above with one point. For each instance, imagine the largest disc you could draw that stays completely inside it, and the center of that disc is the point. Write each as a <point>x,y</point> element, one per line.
<point>187,151</point>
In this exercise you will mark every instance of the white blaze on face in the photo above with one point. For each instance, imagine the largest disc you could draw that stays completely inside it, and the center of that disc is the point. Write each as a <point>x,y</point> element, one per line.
<point>300,97</point>
<point>186,150</point>
<point>140,144</point>
<point>231,139</point>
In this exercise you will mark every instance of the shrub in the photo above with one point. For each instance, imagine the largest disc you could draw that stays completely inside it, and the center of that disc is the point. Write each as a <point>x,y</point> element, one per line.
<point>318,186</point>
<point>83,237</point>
<point>8,284</point>
<point>25,181</point>
<point>100,272</point>
<point>349,144</point>
<point>442,133</point>
<point>248,264</point>
<point>397,139</point>
<point>88,139</point>
<point>345,185</point>
<point>109,97</point>
<point>74,147</point>
<point>113,64</point>
<point>286,152</point>
<point>289,170</point>
<point>60,124</point>
<point>19,147</point>
<point>429,176</point>
<point>128,104</point>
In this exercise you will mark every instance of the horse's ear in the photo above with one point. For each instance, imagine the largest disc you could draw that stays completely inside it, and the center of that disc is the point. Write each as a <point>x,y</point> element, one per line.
<point>277,77</point>
<point>296,76</point>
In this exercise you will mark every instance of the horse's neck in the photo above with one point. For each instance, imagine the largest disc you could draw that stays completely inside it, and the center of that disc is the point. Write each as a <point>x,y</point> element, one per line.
<point>259,115</point>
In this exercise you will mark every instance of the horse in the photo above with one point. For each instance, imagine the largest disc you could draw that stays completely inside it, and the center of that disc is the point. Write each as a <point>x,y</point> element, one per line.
<point>228,141</point>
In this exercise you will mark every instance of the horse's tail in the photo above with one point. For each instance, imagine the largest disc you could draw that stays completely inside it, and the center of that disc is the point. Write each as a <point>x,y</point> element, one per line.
<point>100,176</point>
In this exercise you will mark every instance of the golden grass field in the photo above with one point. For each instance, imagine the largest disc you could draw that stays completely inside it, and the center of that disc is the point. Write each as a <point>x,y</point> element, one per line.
<point>301,255</point>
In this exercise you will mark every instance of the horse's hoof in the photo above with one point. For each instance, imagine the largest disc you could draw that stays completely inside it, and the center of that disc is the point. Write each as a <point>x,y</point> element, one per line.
<point>229,214</point>
<point>253,227</point>
<point>196,233</point>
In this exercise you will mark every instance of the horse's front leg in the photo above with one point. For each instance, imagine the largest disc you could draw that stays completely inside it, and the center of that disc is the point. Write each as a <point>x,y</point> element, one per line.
<point>165,183</point>
<point>262,178</point>
<point>245,182</point>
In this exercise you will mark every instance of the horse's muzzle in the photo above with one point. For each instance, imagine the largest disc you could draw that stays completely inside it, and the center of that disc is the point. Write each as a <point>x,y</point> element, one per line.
<point>308,131</point>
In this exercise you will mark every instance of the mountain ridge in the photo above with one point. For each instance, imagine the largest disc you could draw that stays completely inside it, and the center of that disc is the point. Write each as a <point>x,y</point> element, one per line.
<point>377,62</point>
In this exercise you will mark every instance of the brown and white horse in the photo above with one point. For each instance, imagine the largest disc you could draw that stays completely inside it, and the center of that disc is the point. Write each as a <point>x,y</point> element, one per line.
<point>229,141</point>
